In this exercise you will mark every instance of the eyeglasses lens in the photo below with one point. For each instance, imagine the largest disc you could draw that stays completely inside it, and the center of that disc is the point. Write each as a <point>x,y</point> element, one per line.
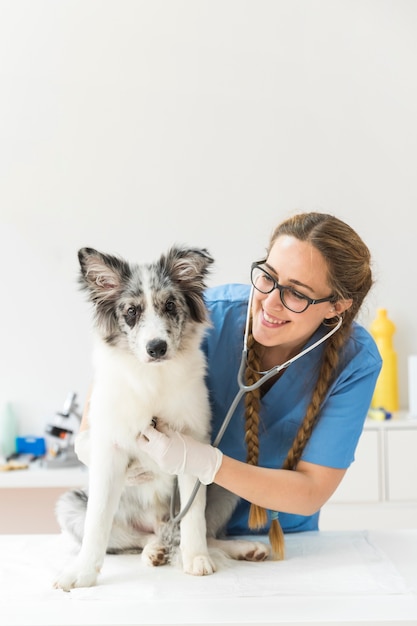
<point>264,283</point>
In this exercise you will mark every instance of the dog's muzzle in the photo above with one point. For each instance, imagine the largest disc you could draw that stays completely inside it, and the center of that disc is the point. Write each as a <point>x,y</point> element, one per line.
<point>157,348</point>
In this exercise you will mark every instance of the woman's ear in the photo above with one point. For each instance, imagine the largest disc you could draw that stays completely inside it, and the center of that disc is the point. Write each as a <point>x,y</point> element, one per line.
<point>339,307</point>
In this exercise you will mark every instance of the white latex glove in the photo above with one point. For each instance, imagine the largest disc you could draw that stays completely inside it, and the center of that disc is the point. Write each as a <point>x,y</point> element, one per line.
<point>135,473</point>
<point>176,453</point>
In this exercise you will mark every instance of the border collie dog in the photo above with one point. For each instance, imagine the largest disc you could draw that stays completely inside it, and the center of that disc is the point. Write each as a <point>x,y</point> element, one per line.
<point>149,322</point>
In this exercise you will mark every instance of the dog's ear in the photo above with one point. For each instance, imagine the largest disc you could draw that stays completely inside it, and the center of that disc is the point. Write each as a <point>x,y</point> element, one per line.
<point>102,274</point>
<point>188,268</point>
<point>188,264</point>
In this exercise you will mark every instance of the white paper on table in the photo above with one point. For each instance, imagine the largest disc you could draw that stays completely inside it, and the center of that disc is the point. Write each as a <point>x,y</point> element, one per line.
<point>330,563</point>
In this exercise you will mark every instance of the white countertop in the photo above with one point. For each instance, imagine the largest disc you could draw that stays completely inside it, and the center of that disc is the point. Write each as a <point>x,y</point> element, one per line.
<point>401,420</point>
<point>360,577</point>
<point>37,476</point>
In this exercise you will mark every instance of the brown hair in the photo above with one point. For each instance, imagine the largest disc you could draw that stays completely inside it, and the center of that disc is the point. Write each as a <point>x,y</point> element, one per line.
<point>350,277</point>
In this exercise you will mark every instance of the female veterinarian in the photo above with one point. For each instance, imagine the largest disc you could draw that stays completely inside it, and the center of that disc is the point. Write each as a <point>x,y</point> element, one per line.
<point>290,442</point>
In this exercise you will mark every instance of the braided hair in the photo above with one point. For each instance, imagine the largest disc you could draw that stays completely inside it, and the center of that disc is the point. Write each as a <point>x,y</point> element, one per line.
<point>350,278</point>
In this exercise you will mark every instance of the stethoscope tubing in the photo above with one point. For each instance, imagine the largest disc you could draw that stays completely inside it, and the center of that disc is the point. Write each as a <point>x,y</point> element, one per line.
<point>241,392</point>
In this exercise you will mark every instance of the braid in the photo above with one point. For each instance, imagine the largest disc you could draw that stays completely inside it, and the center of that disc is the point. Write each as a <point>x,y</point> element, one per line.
<point>252,403</point>
<point>328,367</point>
<point>257,515</point>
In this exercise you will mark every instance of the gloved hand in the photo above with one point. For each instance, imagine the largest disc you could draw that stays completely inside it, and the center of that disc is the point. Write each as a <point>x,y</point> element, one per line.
<point>176,453</point>
<point>135,473</point>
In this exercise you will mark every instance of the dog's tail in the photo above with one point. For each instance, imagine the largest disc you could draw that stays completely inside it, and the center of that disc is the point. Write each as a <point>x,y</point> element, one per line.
<point>70,512</point>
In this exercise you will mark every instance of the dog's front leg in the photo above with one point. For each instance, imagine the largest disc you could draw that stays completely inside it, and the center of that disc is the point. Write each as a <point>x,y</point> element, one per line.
<point>106,478</point>
<point>193,543</point>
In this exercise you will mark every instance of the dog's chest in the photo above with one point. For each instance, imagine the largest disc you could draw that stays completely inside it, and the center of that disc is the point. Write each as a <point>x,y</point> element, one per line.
<point>128,394</point>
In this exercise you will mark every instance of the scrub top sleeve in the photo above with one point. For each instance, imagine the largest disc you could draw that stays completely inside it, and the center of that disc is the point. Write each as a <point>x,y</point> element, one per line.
<point>336,434</point>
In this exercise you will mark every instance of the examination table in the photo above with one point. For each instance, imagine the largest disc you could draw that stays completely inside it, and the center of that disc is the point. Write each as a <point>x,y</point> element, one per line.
<point>355,577</point>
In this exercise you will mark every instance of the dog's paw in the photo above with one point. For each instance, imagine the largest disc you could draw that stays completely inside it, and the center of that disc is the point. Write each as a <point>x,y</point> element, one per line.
<point>155,554</point>
<point>72,577</point>
<point>242,549</point>
<point>253,551</point>
<point>200,565</point>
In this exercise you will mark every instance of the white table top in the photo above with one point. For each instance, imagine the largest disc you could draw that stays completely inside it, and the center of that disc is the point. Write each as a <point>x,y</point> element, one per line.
<point>38,477</point>
<point>360,577</point>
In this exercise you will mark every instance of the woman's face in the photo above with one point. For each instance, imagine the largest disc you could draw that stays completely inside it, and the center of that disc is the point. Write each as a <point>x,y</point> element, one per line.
<point>297,264</point>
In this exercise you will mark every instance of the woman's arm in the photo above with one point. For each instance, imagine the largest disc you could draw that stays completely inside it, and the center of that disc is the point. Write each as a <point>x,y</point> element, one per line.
<point>302,491</point>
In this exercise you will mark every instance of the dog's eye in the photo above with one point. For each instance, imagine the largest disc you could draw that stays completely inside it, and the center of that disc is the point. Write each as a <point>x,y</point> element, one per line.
<point>131,315</point>
<point>170,306</point>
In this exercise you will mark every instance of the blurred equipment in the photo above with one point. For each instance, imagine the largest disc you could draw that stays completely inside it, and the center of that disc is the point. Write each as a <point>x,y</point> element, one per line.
<point>8,431</point>
<point>60,436</point>
<point>386,389</point>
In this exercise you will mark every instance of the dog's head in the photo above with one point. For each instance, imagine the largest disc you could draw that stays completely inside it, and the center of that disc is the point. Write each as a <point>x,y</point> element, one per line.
<point>152,310</point>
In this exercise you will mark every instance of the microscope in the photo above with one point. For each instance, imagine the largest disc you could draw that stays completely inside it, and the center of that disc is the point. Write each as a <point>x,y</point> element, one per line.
<point>60,436</point>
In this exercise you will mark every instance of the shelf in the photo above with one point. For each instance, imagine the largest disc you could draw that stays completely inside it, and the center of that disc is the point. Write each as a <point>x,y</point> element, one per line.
<point>44,478</point>
<point>398,421</point>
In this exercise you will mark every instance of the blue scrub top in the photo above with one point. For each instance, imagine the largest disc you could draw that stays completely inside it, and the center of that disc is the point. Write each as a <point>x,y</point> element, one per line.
<point>283,407</point>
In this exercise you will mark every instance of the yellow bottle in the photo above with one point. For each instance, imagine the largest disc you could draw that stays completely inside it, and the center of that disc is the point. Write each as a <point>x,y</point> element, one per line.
<point>386,390</point>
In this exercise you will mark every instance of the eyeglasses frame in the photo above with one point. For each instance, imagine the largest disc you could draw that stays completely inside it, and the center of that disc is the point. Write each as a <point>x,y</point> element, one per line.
<point>276,285</point>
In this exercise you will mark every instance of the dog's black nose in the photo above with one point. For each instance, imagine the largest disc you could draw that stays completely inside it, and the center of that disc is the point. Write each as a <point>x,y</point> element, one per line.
<point>157,348</point>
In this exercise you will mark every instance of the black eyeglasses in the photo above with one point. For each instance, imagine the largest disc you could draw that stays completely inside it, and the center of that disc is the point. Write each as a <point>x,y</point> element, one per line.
<point>290,298</point>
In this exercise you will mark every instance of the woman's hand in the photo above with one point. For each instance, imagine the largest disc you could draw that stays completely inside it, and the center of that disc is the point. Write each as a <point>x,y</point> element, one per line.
<point>176,453</point>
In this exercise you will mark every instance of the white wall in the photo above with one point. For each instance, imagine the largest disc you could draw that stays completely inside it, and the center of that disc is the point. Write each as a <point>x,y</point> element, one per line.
<point>131,125</point>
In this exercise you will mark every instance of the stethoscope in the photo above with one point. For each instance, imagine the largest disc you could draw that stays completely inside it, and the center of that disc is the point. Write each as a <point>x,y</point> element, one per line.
<point>243,388</point>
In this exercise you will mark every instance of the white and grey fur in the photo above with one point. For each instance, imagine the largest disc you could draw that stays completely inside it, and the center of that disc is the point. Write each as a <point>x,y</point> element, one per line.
<point>149,324</point>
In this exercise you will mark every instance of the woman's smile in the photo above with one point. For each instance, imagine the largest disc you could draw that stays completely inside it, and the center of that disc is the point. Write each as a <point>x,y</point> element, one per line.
<point>271,320</point>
